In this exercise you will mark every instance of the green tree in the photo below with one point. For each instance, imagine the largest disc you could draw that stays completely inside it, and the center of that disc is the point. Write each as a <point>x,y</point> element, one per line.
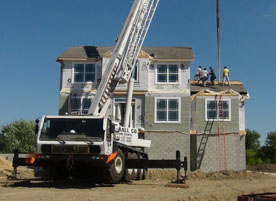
<point>18,135</point>
<point>250,157</point>
<point>271,139</point>
<point>254,151</point>
<point>270,147</point>
<point>252,140</point>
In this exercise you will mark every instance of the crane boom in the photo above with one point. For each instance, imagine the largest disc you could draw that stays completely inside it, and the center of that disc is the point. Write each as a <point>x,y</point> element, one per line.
<point>124,54</point>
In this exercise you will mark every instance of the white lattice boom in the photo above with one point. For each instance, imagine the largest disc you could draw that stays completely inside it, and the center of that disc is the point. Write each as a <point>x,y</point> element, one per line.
<point>124,54</point>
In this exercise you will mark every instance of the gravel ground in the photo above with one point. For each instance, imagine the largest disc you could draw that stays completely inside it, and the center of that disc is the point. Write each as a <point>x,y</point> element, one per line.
<point>218,186</point>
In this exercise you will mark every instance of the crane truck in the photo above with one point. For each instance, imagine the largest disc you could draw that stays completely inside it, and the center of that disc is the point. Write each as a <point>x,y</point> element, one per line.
<point>74,143</point>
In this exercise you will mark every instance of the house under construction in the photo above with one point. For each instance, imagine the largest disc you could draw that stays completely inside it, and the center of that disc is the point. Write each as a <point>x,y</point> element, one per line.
<point>207,124</point>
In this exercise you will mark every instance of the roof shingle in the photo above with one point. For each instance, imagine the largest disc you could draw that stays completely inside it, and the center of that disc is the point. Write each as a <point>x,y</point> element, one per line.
<point>85,52</point>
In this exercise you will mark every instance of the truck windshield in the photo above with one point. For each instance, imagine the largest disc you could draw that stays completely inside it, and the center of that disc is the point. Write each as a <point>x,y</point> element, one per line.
<point>72,129</point>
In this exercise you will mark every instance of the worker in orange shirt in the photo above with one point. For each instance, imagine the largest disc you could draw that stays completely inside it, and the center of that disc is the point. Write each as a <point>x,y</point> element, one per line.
<point>226,74</point>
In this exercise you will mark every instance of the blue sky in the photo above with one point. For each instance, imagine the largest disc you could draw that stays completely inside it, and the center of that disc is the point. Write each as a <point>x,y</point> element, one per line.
<point>34,33</point>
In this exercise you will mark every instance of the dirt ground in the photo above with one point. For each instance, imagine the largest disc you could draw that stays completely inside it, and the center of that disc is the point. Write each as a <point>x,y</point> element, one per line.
<point>223,186</point>
<point>263,168</point>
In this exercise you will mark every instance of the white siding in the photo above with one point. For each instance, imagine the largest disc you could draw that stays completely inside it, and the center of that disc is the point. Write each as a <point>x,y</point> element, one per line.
<point>242,116</point>
<point>182,87</point>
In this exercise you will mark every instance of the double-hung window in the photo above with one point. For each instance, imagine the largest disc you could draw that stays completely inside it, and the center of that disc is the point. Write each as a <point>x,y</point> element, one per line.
<point>217,110</point>
<point>80,104</point>
<point>167,73</point>
<point>84,72</point>
<point>167,110</point>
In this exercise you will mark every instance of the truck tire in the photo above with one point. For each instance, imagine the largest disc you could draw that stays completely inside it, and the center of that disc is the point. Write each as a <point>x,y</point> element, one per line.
<point>140,173</point>
<point>129,173</point>
<point>135,171</point>
<point>114,173</point>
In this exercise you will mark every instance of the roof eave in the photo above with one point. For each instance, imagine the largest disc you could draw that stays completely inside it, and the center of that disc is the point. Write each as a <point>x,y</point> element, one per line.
<point>71,59</point>
<point>170,60</point>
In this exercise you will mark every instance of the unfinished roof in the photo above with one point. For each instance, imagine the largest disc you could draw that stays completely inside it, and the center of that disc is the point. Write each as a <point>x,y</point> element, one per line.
<point>155,53</point>
<point>235,85</point>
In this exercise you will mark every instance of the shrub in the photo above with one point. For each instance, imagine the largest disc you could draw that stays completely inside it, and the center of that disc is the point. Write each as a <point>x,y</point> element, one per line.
<point>19,135</point>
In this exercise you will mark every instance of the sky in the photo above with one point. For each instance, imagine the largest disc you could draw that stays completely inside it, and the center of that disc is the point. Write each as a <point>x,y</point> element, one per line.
<point>34,33</point>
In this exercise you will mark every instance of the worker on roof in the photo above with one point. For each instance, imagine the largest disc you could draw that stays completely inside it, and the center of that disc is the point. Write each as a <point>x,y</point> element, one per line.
<point>212,75</point>
<point>204,76</point>
<point>197,75</point>
<point>226,74</point>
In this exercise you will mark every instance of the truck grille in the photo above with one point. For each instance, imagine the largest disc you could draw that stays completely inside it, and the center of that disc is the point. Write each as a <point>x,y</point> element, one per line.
<point>70,149</point>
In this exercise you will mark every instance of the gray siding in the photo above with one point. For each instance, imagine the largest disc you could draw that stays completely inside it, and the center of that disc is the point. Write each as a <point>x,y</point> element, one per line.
<point>183,126</point>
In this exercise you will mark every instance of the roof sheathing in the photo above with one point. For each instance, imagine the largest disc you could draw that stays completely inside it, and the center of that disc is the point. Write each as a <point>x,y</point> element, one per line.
<point>154,53</point>
<point>235,85</point>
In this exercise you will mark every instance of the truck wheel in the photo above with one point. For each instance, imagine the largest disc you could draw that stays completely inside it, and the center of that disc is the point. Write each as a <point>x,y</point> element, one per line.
<point>129,173</point>
<point>115,171</point>
<point>135,171</point>
<point>140,173</point>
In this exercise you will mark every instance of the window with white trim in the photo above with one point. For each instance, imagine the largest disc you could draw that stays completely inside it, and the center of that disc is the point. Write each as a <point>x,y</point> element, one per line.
<point>84,72</point>
<point>119,111</point>
<point>80,105</point>
<point>217,108</point>
<point>167,110</point>
<point>167,73</point>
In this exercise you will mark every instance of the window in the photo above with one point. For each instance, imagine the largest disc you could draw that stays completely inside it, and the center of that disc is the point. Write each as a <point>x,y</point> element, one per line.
<point>120,109</point>
<point>61,128</point>
<point>80,105</point>
<point>167,73</point>
<point>215,108</point>
<point>135,74</point>
<point>167,110</point>
<point>84,73</point>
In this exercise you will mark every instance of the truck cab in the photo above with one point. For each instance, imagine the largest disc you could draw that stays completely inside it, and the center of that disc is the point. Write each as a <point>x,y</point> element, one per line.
<point>75,135</point>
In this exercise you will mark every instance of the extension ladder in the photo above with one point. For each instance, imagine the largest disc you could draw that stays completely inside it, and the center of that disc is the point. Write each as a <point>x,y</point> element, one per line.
<point>203,142</point>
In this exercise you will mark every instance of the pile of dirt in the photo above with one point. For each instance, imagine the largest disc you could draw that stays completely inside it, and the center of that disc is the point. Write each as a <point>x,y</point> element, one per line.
<point>6,170</point>
<point>5,164</point>
<point>263,168</point>
<point>161,174</point>
<point>5,167</point>
<point>25,173</point>
<point>200,175</point>
<point>222,175</point>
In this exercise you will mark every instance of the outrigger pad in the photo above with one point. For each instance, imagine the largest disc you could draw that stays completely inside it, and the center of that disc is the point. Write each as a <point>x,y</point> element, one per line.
<point>177,185</point>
